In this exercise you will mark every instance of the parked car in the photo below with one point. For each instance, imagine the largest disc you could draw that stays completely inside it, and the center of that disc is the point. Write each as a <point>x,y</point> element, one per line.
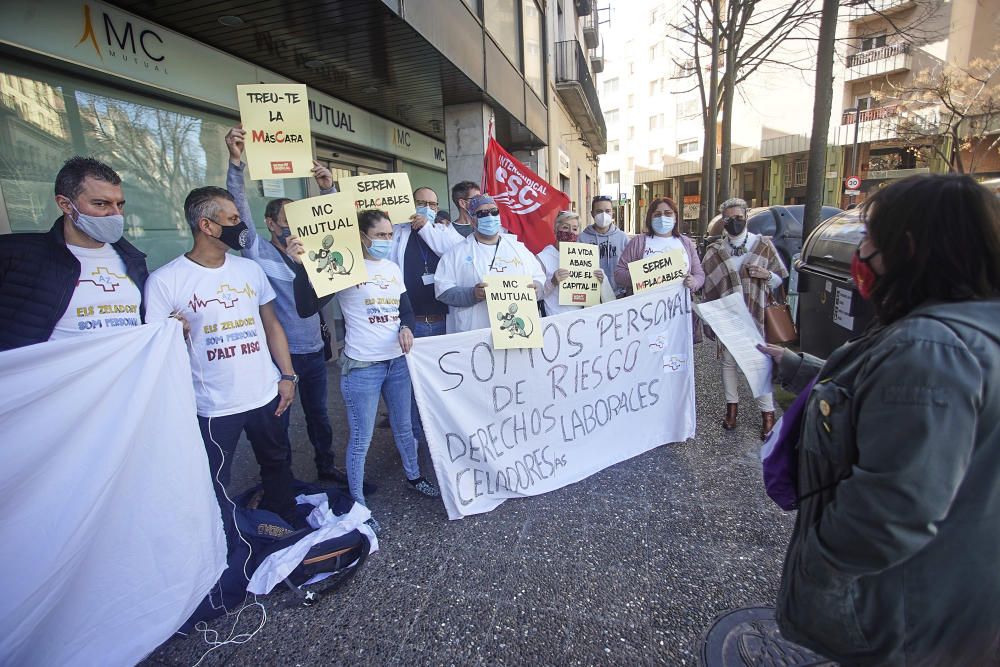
<point>782,223</point>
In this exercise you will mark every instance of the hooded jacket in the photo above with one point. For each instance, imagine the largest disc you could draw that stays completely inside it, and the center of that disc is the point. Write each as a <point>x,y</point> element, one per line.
<point>611,244</point>
<point>894,557</point>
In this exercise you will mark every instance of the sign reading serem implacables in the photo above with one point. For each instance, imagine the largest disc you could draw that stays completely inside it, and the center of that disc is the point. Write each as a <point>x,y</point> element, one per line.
<point>385,192</point>
<point>278,139</point>
<point>659,270</point>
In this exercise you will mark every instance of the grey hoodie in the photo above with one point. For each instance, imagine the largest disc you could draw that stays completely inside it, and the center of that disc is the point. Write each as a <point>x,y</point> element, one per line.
<point>611,244</point>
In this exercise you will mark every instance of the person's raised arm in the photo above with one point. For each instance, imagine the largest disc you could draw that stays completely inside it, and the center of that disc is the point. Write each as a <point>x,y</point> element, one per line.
<point>235,141</point>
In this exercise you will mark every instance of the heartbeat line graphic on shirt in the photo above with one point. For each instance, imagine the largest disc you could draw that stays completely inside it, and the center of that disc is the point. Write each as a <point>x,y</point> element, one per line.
<point>380,280</point>
<point>226,295</point>
<point>107,280</point>
<point>516,261</point>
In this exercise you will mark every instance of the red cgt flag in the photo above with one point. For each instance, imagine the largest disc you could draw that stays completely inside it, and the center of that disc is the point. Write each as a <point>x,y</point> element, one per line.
<point>528,204</point>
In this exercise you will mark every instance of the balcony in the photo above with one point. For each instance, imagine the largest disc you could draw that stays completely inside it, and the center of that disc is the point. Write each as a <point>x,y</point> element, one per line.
<point>575,87</point>
<point>862,10</point>
<point>597,60</point>
<point>591,35</point>
<point>882,61</point>
<point>868,115</point>
<point>878,124</point>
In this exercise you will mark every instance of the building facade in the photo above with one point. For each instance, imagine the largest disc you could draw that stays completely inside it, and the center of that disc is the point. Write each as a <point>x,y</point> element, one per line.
<point>150,88</point>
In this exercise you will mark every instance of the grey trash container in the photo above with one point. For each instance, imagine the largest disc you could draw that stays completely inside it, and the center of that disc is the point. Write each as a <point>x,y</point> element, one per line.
<point>831,311</point>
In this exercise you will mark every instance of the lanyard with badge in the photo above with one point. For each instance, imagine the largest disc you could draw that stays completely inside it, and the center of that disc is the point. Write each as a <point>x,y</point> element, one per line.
<point>495,251</point>
<point>428,276</point>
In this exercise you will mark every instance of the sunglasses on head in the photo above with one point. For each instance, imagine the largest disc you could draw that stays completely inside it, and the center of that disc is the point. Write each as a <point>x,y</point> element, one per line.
<point>491,211</point>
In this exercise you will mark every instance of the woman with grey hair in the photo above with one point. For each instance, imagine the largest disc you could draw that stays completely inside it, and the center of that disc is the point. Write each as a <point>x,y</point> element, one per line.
<point>742,263</point>
<point>567,228</point>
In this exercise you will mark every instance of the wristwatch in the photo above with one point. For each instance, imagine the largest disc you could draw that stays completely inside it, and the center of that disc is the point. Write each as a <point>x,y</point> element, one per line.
<point>293,378</point>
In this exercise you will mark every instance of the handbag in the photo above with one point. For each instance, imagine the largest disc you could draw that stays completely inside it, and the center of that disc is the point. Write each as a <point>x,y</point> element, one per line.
<point>324,332</point>
<point>778,325</point>
<point>780,455</point>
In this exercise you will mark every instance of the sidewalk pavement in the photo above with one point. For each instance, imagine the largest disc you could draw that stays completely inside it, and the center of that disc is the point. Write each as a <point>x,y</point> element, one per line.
<point>626,567</point>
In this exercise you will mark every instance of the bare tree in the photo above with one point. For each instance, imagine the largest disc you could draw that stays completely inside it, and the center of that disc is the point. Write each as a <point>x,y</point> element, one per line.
<point>822,104</point>
<point>951,112</point>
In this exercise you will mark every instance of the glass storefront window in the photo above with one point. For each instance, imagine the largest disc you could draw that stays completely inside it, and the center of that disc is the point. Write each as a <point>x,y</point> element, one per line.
<point>501,21</point>
<point>534,50</point>
<point>161,150</point>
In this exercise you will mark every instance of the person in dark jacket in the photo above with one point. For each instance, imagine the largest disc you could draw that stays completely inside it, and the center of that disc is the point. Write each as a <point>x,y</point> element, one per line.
<point>79,277</point>
<point>894,557</point>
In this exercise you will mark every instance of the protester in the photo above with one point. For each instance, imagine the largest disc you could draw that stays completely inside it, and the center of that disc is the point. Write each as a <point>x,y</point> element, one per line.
<point>748,264</point>
<point>305,342</point>
<point>611,241</point>
<point>661,235</point>
<point>417,254</point>
<point>240,365</point>
<point>443,217</point>
<point>81,276</point>
<point>894,556</point>
<point>566,226</point>
<point>461,193</point>
<point>458,280</point>
<point>373,362</point>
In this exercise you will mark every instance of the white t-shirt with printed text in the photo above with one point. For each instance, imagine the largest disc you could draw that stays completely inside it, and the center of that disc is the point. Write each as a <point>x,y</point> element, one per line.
<point>230,362</point>
<point>371,313</point>
<point>105,298</point>
<point>657,244</point>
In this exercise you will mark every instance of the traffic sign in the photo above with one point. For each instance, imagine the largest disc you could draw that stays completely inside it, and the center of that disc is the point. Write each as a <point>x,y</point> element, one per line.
<point>852,193</point>
<point>852,182</point>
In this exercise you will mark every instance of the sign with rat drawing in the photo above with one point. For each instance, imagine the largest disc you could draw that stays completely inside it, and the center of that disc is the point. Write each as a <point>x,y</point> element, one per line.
<point>513,310</point>
<point>328,227</point>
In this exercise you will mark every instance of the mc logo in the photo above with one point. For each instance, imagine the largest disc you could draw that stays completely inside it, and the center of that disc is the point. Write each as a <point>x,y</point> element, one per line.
<point>125,40</point>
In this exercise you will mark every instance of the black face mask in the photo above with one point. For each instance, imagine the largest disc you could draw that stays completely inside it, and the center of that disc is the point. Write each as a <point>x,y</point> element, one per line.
<point>286,233</point>
<point>735,226</point>
<point>234,236</point>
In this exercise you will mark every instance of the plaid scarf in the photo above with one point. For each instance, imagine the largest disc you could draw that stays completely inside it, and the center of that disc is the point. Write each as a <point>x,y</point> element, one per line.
<point>721,280</point>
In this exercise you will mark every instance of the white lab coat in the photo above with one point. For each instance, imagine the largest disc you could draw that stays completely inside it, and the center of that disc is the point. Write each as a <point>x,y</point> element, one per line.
<point>439,238</point>
<point>463,267</point>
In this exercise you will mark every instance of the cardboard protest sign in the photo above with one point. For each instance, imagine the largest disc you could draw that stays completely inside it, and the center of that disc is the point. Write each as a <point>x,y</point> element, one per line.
<point>581,288</point>
<point>665,268</point>
<point>610,383</point>
<point>276,120</point>
<point>328,227</point>
<point>513,310</point>
<point>386,192</point>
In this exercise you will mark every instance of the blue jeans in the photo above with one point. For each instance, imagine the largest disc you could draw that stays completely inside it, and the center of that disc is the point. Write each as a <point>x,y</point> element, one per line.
<point>311,369</point>
<point>269,440</point>
<point>361,389</point>
<point>422,330</point>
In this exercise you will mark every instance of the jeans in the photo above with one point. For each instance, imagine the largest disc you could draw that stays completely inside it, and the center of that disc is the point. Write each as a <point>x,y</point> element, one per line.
<point>361,389</point>
<point>311,369</point>
<point>731,384</point>
<point>269,440</point>
<point>422,330</point>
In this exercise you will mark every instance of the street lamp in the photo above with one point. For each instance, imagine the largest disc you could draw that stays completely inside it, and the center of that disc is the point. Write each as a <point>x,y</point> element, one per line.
<point>854,147</point>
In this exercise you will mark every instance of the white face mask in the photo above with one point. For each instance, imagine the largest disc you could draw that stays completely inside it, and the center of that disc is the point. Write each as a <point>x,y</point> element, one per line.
<point>603,220</point>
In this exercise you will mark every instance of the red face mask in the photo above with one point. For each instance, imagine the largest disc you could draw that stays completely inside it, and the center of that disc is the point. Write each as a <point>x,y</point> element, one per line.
<point>864,276</point>
<point>566,235</point>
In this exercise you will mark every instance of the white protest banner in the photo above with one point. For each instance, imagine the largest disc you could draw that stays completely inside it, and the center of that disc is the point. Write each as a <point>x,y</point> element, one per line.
<point>386,192</point>
<point>278,136</point>
<point>581,288</point>
<point>659,270</point>
<point>733,324</point>
<point>611,382</point>
<point>110,534</point>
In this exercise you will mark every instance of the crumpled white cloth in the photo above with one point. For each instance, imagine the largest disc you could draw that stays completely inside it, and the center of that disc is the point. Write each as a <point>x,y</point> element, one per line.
<point>328,525</point>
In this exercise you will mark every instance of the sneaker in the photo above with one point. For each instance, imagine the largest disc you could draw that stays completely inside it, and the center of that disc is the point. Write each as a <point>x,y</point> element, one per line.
<point>338,476</point>
<point>374,525</point>
<point>423,486</point>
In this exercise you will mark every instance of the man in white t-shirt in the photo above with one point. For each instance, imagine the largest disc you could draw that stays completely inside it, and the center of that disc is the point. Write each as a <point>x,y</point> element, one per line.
<point>240,364</point>
<point>458,280</point>
<point>81,276</point>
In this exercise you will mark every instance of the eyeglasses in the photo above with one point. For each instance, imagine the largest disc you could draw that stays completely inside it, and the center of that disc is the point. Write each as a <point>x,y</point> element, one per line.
<point>431,204</point>
<point>487,212</point>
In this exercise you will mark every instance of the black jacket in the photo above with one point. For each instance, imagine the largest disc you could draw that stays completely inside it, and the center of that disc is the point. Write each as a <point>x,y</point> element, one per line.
<point>38,274</point>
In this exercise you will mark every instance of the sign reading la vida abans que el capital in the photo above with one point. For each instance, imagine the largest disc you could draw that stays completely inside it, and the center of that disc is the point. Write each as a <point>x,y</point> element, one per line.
<point>275,117</point>
<point>582,287</point>
<point>659,270</point>
<point>384,192</point>
<point>609,383</point>
<point>513,309</point>
<point>328,227</point>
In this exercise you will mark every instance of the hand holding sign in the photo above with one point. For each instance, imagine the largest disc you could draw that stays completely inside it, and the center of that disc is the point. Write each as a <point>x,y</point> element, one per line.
<point>325,239</point>
<point>513,308</point>
<point>581,263</point>
<point>275,118</point>
<point>659,270</point>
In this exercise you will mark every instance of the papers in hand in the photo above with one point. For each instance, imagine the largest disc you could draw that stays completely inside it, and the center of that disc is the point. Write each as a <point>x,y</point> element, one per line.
<point>733,324</point>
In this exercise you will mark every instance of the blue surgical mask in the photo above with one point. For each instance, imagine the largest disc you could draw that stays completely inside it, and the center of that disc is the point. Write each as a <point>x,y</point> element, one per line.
<point>663,224</point>
<point>427,212</point>
<point>489,226</point>
<point>379,249</point>
<point>103,228</point>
